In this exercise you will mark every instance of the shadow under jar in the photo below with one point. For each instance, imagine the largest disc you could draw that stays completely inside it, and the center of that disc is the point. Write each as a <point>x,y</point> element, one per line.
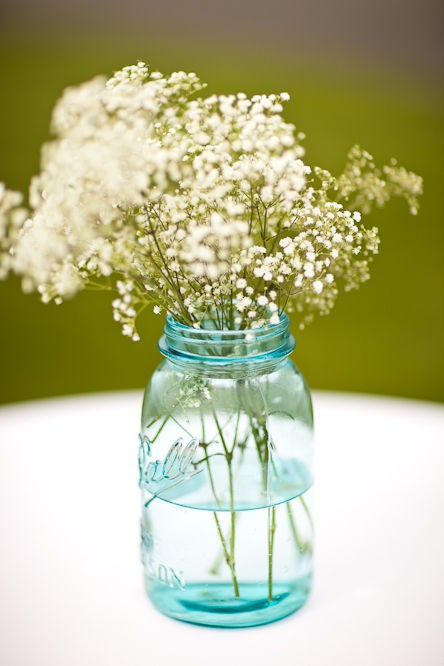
<point>225,468</point>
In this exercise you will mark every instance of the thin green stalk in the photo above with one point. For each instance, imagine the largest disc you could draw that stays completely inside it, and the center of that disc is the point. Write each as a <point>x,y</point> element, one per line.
<point>220,557</point>
<point>221,435</point>
<point>233,532</point>
<point>222,538</point>
<point>302,546</point>
<point>265,469</point>
<point>307,510</point>
<point>211,478</point>
<point>236,429</point>
<point>164,422</point>
<point>95,286</point>
<point>271,533</point>
<point>190,434</point>
<point>262,441</point>
<point>228,555</point>
<point>204,446</point>
<point>256,437</point>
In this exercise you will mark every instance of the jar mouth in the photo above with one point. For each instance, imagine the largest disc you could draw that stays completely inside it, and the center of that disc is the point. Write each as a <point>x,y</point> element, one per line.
<point>216,346</point>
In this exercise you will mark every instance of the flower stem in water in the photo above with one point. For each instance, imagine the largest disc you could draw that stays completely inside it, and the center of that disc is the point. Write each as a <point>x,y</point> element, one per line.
<point>227,554</point>
<point>301,545</point>
<point>271,533</point>
<point>233,533</point>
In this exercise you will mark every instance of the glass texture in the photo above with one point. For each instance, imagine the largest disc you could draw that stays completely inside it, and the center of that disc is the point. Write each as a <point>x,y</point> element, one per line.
<point>225,473</point>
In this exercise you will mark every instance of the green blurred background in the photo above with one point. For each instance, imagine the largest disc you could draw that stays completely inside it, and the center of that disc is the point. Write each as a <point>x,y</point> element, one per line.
<point>385,338</point>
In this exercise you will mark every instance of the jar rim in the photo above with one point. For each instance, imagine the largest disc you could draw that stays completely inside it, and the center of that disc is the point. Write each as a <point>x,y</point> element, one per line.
<point>268,329</point>
<point>268,343</point>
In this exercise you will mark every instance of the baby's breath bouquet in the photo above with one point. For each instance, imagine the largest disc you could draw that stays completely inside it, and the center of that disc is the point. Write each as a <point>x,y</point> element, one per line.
<point>200,207</point>
<point>203,208</point>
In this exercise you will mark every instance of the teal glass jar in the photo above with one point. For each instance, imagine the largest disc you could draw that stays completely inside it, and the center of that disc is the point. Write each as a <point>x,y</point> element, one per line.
<point>225,467</point>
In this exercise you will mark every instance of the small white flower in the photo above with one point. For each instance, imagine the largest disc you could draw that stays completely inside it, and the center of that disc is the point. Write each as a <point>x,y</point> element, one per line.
<point>197,205</point>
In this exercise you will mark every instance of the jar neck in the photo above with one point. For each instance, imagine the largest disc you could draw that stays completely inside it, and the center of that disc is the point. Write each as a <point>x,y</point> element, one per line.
<point>207,348</point>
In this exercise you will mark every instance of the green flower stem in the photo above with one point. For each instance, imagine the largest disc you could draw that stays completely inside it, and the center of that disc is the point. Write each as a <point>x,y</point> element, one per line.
<point>164,422</point>
<point>262,441</point>
<point>229,556</point>
<point>301,545</point>
<point>229,456</point>
<point>306,509</point>
<point>210,476</point>
<point>271,533</point>
<point>204,446</point>
<point>236,430</point>
<point>221,556</point>
<point>233,533</point>
<point>219,559</point>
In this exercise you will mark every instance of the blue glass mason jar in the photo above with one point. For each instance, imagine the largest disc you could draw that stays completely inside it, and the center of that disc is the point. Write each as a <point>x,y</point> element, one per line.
<point>225,468</point>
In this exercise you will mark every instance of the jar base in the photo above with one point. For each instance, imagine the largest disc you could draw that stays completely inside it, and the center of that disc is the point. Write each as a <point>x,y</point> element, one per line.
<point>213,604</point>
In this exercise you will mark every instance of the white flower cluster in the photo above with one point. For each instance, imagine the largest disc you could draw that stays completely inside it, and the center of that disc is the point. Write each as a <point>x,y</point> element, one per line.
<point>207,249</point>
<point>202,207</point>
<point>191,391</point>
<point>12,219</point>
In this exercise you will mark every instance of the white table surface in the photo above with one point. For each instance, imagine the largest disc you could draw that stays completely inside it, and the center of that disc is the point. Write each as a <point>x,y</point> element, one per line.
<point>71,589</point>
